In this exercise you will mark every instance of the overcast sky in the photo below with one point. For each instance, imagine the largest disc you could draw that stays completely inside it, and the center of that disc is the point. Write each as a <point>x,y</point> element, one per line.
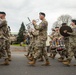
<point>18,10</point>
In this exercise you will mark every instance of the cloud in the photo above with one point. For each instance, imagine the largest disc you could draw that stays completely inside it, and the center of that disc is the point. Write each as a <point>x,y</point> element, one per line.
<point>18,10</point>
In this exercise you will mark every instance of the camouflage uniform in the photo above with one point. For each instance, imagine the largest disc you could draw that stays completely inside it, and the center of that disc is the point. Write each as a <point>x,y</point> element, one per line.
<point>72,44</point>
<point>55,36</point>
<point>65,51</point>
<point>41,41</point>
<point>7,36</point>
<point>33,38</point>
<point>72,47</point>
<point>3,39</point>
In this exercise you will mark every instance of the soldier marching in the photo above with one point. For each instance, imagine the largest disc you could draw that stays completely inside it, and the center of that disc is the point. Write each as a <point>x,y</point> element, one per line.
<point>4,40</point>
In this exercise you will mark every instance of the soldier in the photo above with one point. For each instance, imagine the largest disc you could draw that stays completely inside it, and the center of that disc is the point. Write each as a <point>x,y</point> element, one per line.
<point>64,52</point>
<point>41,41</point>
<point>55,41</point>
<point>7,35</point>
<point>33,37</point>
<point>3,30</point>
<point>8,43</point>
<point>72,44</point>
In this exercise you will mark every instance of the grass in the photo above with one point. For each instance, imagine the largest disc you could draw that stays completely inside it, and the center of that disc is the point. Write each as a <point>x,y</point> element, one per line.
<point>18,45</point>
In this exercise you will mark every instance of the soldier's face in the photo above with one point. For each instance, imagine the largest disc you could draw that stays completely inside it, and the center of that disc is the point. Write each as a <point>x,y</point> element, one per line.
<point>57,29</point>
<point>72,23</point>
<point>41,17</point>
<point>0,15</point>
<point>3,16</point>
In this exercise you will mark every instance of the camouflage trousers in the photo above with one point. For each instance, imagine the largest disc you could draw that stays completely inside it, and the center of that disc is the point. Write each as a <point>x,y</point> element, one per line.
<point>3,53</point>
<point>40,50</point>
<point>54,52</point>
<point>31,49</point>
<point>7,43</point>
<point>63,53</point>
<point>71,51</point>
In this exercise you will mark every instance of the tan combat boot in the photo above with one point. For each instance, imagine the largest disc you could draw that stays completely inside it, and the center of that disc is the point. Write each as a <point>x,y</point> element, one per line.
<point>61,59</point>
<point>41,59</point>
<point>25,55</point>
<point>9,58</point>
<point>74,65</point>
<point>32,62</point>
<point>50,56</point>
<point>46,64</point>
<point>30,58</point>
<point>66,62</point>
<point>6,62</point>
<point>53,56</point>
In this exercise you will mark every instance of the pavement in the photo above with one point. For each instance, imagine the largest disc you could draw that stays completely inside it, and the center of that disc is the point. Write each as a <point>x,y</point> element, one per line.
<point>19,66</point>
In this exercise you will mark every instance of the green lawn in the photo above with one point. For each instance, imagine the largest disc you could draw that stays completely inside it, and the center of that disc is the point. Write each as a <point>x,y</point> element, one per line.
<point>18,45</point>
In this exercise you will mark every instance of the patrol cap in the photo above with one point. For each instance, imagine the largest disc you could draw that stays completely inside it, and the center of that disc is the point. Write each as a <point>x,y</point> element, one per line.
<point>41,13</point>
<point>2,13</point>
<point>53,29</point>
<point>73,20</point>
<point>56,27</point>
<point>63,24</point>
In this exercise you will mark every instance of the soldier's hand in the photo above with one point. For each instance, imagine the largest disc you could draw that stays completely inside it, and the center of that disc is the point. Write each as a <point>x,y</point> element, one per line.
<point>65,31</point>
<point>34,22</point>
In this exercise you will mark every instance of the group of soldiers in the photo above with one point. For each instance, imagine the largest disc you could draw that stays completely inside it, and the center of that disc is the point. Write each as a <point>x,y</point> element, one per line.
<point>5,52</point>
<point>59,44</point>
<point>64,46</point>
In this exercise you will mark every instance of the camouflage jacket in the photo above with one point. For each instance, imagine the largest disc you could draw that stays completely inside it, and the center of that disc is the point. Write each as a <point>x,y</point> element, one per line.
<point>72,37</point>
<point>42,27</point>
<point>3,29</point>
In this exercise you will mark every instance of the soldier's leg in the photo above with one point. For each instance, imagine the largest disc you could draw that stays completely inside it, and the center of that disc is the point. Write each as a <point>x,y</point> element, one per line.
<point>28,50</point>
<point>38,52</point>
<point>4,53</point>
<point>44,53</point>
<point>46,58</point>
<point>63,54</point>
<point>8,50</point>
<point>53,54</point>
<point>70,55</point>
<point>75,55</point>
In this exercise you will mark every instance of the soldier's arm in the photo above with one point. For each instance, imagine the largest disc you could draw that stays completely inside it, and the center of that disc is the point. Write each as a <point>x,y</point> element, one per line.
<point>72,34</point>
<point>4,23</point>
<point>35,33</point>
<point>40,26</point>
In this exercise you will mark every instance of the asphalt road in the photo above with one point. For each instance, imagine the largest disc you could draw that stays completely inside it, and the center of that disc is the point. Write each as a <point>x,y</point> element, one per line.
<point>20,66</point>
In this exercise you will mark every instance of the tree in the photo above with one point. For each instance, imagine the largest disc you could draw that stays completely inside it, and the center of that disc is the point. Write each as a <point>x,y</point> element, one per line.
<point>64,19</point>
<point>20,37</point>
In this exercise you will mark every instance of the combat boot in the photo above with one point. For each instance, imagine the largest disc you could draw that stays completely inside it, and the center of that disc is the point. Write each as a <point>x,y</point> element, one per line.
<point>46,64</point>
<point>26,55</point>
<point>50,56</point>
<point>9,58</point>
<point>74,65</point>
<point>6,62</point>
<point>67,62</point>
<point>30,58</point>
<point>41,59</point>
<point>53,56</point>
<point>32,62</point>
<point>61,59</point>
